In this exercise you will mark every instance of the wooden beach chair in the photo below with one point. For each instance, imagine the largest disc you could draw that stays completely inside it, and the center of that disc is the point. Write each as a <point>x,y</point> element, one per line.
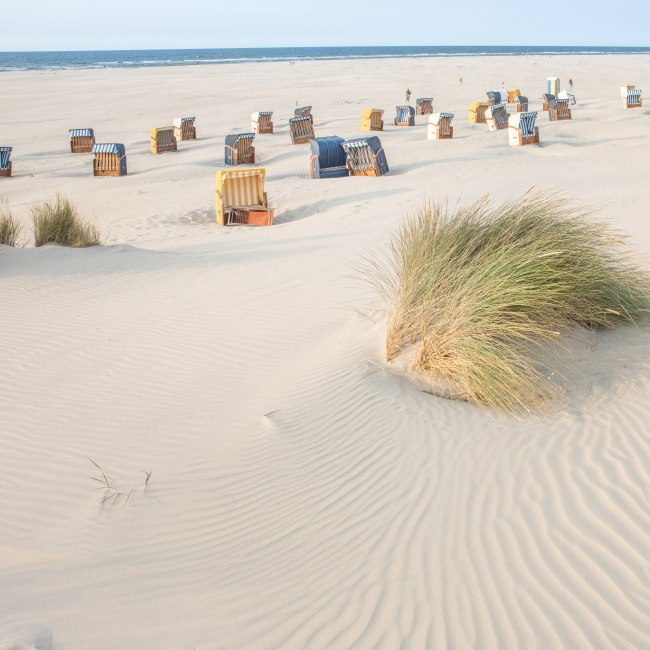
<point>513,93</point>
<point>522,129</point>
<point>303,111</point>
<point>522,104</point>
<point>163,139</point>
<point>496,117</point>
<point>328,158</point>
<point>560,111</point>
<point>110,160</point>
<point>261,122</point>
<point>440,127</point>
<point>184,128</point>
<point>405,115</point>
<point>371,119</point>
<point>494,97</point>
<point>365,156</point>
<point>5,162</point>
<point>423,106</point>
<point>81,140</point>
<point>624,90</point>
<point>241,198</point>
<point>567,94</point>
<point>553,86</point>
<point>633,99</point>
<point>301,129</point>
<point>239,149</point>
<point>548,101</point>
<point>477,112</point>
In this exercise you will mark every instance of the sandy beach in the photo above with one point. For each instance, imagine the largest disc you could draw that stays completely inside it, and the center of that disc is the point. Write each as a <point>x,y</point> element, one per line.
<point>304,494</point>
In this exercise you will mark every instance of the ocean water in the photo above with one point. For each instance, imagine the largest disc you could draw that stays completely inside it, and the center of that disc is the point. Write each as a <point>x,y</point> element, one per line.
<point>154,58</point>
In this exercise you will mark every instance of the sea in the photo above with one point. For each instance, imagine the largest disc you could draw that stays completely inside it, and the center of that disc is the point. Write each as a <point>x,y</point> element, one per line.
<point>156,58</point>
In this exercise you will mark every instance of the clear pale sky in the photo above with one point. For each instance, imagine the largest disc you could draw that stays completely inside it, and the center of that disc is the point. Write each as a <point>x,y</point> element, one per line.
<point>162,24</point>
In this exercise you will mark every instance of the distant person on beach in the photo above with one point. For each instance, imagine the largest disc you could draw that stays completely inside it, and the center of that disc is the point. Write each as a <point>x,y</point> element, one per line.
<point>408,95</point>
<point>460,81</point>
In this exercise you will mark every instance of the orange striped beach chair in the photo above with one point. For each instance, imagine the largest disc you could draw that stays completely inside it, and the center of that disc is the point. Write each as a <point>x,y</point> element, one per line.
<point>81,140</point>
<point>184,128</point>
<point>241,198</point>
<point>163,139</point>
<point>5,162</point>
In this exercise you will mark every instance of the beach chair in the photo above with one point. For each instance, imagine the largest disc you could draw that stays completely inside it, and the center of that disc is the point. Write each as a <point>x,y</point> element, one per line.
<point>440,127</point>
<point>513,93</point>
<point>423,106</point>
<point>522,104</point>
<point>328,158</point>
<point>239,149</point>
<point>81,140</point>
<point>560,111</point>
<point>567,94</point>
<point>301,129</point>
<point>405,115</point>
<point>371,119</point>
<point>365,156</point>
<point>5,162</point>
<point>477,112</point>
<point>624,90</point>
<point>494,97</point>
<point>261,122</point>
<point>496,117</point>
<point>241,198</point>
<point>548,101</point>
<point>184,128</point>
<point>110,160</point>
<point>522,129</point>
<point>633,99</point>
<point>163,139</point>
<point>553,86</point>
<point>303,111</point>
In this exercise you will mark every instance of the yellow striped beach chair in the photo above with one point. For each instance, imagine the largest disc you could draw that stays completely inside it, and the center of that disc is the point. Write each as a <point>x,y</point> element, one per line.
<point>477,112</point>
<point>163,139</point>
<point>5,162</point>
<point>81,140</point>
<point>371,119</point>
<point>241,198</point>
<point>513,93</point>
<point>184,128</point>
<point>553,86</point>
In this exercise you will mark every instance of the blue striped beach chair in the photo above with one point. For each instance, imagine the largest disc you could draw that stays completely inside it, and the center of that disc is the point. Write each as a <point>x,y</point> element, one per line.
<point>633,99</point>
<point>365,156</point>
<point>110,160</point>
<point>241,198</point>
<point>496,117</point>
<point>81,140</point>
<point>301,129</point>
<point>624,90</point>
<point>423,106</point>
<point>522,129</point>
<point>184,128</point>
<point>522,104</point>
<point>405,115</point>
<point>548,101</point>
<point>553,86</point>
<point>328,158</point>
<point>560,111</point>
<point>162,139</point>
<point>5,162</point>
<point>239,149</point>
<point>494,97</point>
<point>440,127</point>
<point>303,111</point>
<point>261,122</point>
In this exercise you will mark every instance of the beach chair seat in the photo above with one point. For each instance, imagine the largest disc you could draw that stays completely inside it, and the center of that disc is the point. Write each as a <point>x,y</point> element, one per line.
<point>560,111</point>
<point>5,162</point>
<point>496,117</point>
<point>328,158</point>
<point>477,112</point>
<point>553,86</point>
<point>261,122</point>
<point>81,140</point>
<point>513,93</point>
<point>567,94</point>
<point>494,97</point>
<point>548,101</point>
<point>440,127</point>
<point>624,90</point>
<point>522,129</point>
<point>241,199</point>
<point>303,111</point>
<point>365,156</point>
<point>633,99</point>
<point>423,106</point>
<point>522,104</point>
<point>301,129</point>
<point>163,139</point>
<point>239,149</point>
<point>404,115</point>
<point>109,160</point>
<point>371,119</point>
<point>184,128</point>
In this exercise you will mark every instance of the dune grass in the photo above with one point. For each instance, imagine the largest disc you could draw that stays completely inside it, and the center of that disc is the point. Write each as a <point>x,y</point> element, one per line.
<point>58,222</point>
<point>10,229</point>
<point>484,293</point>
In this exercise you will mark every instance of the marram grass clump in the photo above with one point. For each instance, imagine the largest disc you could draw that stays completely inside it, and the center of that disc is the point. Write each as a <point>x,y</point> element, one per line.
<point>484,293</point>
<point>10,229</point>
<point>58,222</point>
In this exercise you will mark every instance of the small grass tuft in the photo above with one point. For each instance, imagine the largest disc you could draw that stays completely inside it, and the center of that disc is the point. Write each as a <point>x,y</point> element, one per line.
<point>10,230</point>
<point>58,222</point>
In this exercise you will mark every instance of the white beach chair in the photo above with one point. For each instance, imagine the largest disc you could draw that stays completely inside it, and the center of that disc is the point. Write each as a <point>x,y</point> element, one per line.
<point>440,127</point>
<point>522,129</point>
<point>496,117</point>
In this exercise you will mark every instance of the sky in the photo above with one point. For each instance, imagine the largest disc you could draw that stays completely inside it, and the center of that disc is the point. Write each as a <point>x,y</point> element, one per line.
<point>165,24</point>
